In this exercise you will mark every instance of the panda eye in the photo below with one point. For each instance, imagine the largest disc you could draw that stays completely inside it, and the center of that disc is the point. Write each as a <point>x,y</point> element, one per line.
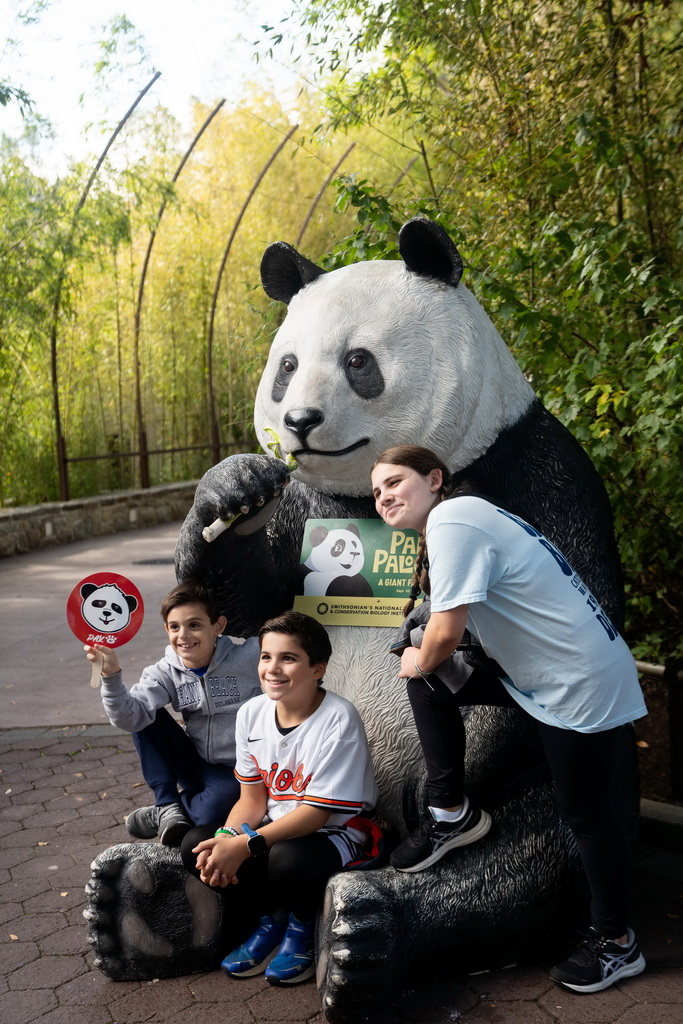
<point>99,604</point>
<point>286,367</point>
<point>338,549</point>
<point>117,608</point>
<point>363,373</point>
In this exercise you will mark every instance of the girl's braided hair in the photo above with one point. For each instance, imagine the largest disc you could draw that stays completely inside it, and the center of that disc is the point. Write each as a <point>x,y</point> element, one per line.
<point>423,461</point>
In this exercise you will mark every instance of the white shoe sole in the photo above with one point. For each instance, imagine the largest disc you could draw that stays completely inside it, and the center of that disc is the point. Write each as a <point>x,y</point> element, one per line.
<point>627,971</point>
<point>251,972</point>
<point>478,832</point>
<point>304,976</point>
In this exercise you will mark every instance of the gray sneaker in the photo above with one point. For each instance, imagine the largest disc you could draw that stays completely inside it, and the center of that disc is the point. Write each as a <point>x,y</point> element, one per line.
<point>169,823</point>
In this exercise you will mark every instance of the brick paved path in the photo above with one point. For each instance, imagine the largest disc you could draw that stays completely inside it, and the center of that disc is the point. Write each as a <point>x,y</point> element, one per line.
<point>65,794</point>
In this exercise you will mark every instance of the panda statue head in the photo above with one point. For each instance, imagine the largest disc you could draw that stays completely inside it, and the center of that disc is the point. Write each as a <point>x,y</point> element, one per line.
<point>107,609</point>
<point>382,353</point>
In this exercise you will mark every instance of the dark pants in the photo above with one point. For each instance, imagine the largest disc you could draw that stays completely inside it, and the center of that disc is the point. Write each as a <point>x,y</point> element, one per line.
<point>170,761</point>
<point>582,769</point>
<point>292,874</point>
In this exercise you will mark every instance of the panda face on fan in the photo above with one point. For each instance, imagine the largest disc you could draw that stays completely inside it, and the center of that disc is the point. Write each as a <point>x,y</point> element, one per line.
<point>107,609</point>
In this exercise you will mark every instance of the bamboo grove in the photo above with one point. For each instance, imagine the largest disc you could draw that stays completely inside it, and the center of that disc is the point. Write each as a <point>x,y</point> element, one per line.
<point>545,136</point>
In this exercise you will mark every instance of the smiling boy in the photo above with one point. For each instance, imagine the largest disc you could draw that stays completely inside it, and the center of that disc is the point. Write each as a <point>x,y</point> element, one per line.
<point>206,677</point>
<point>305,778</point>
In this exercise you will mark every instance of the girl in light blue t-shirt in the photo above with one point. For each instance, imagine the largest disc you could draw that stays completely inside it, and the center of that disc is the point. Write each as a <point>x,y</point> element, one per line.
<point>546,646</point>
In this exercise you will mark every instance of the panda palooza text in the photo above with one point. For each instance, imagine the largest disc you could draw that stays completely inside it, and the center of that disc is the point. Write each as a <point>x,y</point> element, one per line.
<point>399,559</point>
<point>100,638</point>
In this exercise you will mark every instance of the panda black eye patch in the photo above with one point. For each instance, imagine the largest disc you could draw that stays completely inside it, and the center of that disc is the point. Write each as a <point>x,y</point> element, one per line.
<point>288,366</point>
<point>363,373</point>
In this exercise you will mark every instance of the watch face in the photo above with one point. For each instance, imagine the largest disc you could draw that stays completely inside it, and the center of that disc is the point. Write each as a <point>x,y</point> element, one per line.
<point>257,845</point>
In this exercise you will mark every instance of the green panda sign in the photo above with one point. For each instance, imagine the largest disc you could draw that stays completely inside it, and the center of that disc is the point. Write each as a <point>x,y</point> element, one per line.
<point>355,572</point>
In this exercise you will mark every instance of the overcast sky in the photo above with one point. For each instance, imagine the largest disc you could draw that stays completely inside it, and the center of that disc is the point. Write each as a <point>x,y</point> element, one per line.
<point>203,49</point>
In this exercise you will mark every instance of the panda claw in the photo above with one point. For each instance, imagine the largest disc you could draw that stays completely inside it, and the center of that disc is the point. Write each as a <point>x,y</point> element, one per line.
<point>98,917</point>
<point>103,867</point>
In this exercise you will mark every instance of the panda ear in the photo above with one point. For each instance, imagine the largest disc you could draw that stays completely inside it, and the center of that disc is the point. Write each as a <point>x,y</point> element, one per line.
<point>87,589</point>
<point>427,250</point>
<point>318,534</point>
<point>352,528</point>
<point>131,601</point>
<point>284,272</point>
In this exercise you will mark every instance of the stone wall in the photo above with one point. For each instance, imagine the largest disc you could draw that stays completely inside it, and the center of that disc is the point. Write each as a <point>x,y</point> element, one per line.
<point>33,527</point>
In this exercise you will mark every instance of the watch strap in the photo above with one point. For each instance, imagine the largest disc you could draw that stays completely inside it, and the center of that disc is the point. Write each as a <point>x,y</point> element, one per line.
<point>256,842</point>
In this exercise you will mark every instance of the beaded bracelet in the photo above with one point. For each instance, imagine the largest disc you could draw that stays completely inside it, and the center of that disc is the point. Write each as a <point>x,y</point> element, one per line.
<point>227,831</point>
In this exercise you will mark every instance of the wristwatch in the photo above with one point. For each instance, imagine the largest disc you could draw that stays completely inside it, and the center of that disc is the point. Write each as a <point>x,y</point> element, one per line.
<point>257,843</point>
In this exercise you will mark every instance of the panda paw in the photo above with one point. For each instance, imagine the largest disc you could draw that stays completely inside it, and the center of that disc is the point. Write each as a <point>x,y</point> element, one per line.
<point>150,919</point>
<point>360,949</point>
<point>242,489</point>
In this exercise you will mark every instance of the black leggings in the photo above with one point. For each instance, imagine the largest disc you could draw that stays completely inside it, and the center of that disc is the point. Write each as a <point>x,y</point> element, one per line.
<point>293,873</point>
<point>582,768</point>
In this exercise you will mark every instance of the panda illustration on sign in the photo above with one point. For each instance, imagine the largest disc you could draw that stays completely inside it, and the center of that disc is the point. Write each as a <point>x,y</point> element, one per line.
<point>334,565</point>
<point>371,355</point>
<point>107,609</point>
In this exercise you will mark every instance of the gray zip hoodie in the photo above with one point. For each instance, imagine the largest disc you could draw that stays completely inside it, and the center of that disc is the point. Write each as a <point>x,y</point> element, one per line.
<point>208,704</point>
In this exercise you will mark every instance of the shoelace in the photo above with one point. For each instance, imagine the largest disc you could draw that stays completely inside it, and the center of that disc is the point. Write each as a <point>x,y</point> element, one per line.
<point>593,944</point>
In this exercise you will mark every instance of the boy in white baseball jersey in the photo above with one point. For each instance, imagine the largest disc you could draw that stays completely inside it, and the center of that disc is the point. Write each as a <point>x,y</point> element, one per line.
<point>306,779</point>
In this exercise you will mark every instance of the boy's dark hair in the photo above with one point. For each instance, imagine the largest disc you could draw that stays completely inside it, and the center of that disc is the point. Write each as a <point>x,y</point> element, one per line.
<point>191,592</point>
<point>308,631</point>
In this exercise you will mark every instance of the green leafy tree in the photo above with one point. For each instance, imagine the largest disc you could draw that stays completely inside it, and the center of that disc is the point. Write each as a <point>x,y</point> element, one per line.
<point>550,142</point>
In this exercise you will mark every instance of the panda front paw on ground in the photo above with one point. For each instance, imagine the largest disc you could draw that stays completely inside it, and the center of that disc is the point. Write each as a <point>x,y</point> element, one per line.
<point>149,919</point>
<point>383,932</point>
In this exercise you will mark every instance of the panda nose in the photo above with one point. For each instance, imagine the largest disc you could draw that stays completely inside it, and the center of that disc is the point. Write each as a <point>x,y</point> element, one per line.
<point>302,421</point>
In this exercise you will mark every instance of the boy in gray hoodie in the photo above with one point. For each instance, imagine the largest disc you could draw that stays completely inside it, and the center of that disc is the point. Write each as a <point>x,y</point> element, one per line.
<point>205,676</point>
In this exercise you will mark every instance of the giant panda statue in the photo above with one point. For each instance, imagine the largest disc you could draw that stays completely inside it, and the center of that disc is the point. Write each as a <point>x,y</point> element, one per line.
<point>372,355</point>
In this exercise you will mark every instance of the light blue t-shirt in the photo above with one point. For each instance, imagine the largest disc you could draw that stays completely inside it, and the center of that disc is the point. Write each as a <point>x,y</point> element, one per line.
<point>565,662</point>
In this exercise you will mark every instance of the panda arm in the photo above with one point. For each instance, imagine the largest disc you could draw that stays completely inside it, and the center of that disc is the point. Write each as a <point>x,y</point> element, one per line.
<point>246,566</point>
<point>254,575</point>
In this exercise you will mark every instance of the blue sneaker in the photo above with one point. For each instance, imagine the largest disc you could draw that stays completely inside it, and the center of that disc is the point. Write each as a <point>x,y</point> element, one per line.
<point>296,961</point>
<point>254,955</point>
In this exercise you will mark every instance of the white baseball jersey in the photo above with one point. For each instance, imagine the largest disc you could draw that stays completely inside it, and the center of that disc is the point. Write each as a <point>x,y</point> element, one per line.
<point>324,762</point>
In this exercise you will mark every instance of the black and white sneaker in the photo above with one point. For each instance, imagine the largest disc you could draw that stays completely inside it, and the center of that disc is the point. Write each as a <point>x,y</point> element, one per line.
<point>169,823</point>
<point>599,963</point>
<point>432,839</point>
